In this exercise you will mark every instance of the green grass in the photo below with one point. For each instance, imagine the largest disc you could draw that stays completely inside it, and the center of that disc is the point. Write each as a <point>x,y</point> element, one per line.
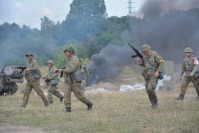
<point>113,112</point>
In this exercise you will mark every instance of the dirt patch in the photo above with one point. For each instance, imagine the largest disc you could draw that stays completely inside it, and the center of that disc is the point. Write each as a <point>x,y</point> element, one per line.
<point>19,129</point>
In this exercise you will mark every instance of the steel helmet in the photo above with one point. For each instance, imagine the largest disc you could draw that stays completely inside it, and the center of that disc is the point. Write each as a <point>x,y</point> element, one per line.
<point>145,47</point>
<point>188,50</point>
<point>70,48</point>
<point>50,62</point>
<point>29,54</point>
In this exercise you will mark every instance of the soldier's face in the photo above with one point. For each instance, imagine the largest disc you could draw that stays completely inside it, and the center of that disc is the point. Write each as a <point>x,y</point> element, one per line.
<point>50,65</point>
<point>68,53</point>
<point>29,57</point>
<point>188,54</point>
<point>147,52</point>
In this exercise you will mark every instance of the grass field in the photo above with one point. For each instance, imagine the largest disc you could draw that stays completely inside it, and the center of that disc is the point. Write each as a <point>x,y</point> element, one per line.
<point>113,112</point>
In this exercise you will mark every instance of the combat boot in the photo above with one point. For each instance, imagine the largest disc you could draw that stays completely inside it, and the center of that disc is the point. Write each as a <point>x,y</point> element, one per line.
<point>68,109</point>
<point>46,104</point>
<point>89,105</point>
<point>154,105</point>
<point>181,97</point>
<point>61,99</point>
<point>22,106</point>
<point>51,102</point>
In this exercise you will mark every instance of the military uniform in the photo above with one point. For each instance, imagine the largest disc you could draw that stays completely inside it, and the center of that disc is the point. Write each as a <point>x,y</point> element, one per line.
<point>33,82</point>
<point>151,64</point>
<point>71,85</point>
<point>190,65</point>
<point>52,82</point>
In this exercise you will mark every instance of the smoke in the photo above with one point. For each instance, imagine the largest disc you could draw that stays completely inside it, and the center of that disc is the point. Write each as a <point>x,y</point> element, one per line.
<point>109,63</point>
<point>169,26</point>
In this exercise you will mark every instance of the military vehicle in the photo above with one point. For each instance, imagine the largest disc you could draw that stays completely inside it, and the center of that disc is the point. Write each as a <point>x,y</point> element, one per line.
<point>9,77</point>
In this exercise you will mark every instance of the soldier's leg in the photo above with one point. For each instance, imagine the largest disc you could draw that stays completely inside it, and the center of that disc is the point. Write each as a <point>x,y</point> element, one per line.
<point>151,92</point>
<point>27,92</point>
<point>185,82</point>
<point>37,88</point>
<point>196,85</point>
<point>77,90</point>
<point>49,94</point>
<point>67,95</point>
<point>56,92</point>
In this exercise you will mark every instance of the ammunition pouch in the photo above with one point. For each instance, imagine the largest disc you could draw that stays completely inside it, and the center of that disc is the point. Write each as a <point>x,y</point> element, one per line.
<point>196,75</point>
<point>160,76</point>
<point>37,75</point>
<point>79,75</point>
<point>54,81</point>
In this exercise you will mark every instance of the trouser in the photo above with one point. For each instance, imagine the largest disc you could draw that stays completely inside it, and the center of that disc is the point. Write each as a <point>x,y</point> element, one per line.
<point>36,86</point>
<point>150,86</point>
<point>52,91</point>
<point>74,87</point>
<point>185,82</point>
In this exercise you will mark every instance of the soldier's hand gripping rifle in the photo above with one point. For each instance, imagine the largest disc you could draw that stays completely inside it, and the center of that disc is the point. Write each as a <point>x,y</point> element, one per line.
<point>138,54</point>
<point>62,73</point>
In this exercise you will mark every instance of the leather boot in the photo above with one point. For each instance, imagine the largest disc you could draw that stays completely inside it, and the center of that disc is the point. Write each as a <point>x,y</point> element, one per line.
<point>68,109</point>
<point>61,99</point>
<point>181,97</point>
<point>90,105</point>
<point>154,105</point>
<point>46,104</point>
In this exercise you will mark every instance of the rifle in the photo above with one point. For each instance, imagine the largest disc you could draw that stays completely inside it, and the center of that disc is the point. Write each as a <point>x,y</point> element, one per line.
<point>138,54</point>
<point>21,67</point>
<point>62,73</point>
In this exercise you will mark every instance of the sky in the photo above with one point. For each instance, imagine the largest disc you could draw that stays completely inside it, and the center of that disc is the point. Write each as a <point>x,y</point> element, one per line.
<point>29,12</point>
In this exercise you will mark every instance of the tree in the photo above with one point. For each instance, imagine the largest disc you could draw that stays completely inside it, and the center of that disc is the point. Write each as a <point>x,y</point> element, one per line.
<point>47,27</point>
<point>85,19</point>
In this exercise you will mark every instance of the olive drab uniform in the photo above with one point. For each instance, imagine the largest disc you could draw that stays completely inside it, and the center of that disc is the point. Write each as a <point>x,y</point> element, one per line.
<point>190,65</point>
<point>33,83</point>
<point>52,81</point>
<point>151,64</point>
<point>71,85</point>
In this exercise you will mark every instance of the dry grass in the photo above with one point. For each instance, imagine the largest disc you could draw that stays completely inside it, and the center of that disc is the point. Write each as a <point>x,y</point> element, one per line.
<point>113,112</point>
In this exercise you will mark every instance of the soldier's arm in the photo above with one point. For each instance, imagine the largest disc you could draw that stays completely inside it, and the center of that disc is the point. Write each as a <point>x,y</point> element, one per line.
<point>71,65</point>
<point>196,66</point>
<point>140,62</point>
<point>53,74</point>
<point>182,69</point>
<point>159,60</point>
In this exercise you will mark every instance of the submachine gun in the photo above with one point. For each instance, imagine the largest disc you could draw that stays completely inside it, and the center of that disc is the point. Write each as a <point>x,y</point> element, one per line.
<point>138,54</point>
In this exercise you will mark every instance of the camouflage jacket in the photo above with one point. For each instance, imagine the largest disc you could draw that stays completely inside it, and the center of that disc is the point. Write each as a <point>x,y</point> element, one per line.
<point>190,65</point>
<point>152,63</point>
<point>51,73</point>
<point>33,66</point>
<point>72,65</point>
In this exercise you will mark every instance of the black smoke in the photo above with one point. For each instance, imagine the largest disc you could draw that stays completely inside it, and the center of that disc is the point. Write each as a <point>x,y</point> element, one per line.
<point>109,63</point>
<point>169,26</point>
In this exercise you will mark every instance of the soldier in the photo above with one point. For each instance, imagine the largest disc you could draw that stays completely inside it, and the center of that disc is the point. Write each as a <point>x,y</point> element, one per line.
<point>52,81</point>
<point>32,75</point>
<point>189,67</point>
<point>86,72</point>
<point>71,83</point>
<point>153,66</point>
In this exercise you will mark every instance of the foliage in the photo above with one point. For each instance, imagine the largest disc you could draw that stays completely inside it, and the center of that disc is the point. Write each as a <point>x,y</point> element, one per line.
<point>87,26</point>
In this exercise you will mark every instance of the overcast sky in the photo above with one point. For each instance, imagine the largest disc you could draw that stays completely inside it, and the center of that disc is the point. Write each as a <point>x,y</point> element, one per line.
<point>29,12</point>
